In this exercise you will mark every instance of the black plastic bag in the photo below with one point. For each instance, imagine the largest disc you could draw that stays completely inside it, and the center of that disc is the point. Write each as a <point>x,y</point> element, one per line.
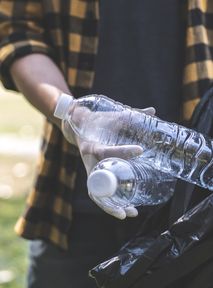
<point>159,256</point>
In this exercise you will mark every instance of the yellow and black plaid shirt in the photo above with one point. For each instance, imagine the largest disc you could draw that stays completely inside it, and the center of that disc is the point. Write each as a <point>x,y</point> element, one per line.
<point>67,31</point>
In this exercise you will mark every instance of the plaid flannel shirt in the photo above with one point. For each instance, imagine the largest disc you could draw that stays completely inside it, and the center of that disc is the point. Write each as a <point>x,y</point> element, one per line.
<point>67,31</point>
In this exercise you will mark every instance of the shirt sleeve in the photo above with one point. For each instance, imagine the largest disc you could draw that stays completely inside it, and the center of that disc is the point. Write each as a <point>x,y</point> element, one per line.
<point>21,33</point>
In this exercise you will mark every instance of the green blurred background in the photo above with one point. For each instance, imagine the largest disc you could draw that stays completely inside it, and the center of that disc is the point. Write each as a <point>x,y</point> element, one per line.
<point>20,133</point>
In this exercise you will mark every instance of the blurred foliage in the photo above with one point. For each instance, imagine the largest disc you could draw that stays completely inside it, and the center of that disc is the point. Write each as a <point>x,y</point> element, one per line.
<point>16,112</point>
<point>19,120</point>
<point>13,250</point>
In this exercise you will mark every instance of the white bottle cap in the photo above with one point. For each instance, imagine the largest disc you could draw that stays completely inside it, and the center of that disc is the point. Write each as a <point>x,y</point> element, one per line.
<point>102,183</point>
<point>62,105</point>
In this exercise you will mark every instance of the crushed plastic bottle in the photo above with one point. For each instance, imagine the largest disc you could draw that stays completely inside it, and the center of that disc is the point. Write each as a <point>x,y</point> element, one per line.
<point>169,147</point>
<point>134,182</point>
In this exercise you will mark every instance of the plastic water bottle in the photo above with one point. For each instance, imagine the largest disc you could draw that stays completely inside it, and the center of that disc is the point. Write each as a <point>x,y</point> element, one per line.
<point>133,182</point>
<point>171,148</point>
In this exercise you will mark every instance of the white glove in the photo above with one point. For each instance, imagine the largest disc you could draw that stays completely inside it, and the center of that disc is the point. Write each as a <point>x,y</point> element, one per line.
<point>92,153</point>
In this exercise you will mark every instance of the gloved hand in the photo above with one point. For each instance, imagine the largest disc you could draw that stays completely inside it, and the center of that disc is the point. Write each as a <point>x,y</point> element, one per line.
<point>92,153</point>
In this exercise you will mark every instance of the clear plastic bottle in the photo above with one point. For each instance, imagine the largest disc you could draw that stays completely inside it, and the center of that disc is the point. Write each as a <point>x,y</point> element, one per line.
<point>133,182</point>
<point>171,148</point>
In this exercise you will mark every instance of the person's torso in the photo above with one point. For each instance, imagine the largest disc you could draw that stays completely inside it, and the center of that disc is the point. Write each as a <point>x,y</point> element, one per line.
<point>139,61</point>
<point>140,57</point>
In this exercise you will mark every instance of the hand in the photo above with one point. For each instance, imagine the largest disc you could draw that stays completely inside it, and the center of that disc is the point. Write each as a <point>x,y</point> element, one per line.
<point>92,153</point>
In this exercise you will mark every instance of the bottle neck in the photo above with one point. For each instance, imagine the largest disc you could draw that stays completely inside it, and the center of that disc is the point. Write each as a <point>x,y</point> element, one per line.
<point>63,105</point>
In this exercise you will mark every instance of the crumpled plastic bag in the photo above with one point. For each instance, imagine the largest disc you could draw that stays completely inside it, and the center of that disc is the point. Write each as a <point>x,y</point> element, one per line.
<point>162,255</point>
<point>144,255</point>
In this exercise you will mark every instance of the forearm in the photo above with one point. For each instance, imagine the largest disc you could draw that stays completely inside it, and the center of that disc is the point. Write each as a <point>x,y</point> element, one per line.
<point>38,78</point>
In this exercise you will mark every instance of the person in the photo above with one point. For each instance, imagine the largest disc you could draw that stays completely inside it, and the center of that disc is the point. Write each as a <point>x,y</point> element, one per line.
<point>141,53</point>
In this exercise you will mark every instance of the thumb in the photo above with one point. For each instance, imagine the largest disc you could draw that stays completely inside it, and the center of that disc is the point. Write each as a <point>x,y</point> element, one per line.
<point>122,151</point>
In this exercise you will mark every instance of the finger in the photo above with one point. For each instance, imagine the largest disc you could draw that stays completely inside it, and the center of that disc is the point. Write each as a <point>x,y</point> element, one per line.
<point>116,212</point>
<point>131,211</point>
<point>109,208</point>
<point>91,153</point>
<point>122,151</point>
<point>149,110</point>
